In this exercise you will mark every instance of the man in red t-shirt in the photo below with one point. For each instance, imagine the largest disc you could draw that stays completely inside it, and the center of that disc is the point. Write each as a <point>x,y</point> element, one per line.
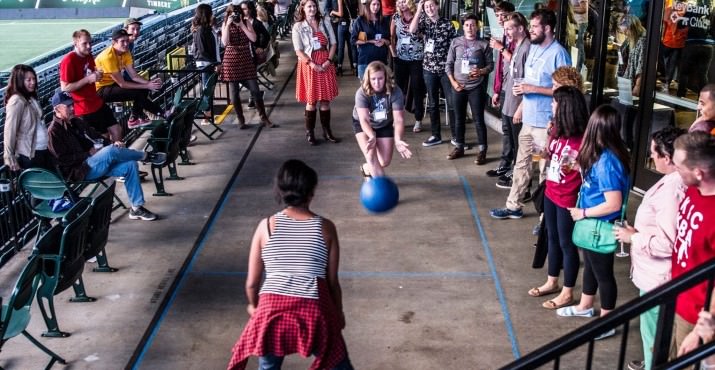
<point>694,159</point>
<point>77,77</point>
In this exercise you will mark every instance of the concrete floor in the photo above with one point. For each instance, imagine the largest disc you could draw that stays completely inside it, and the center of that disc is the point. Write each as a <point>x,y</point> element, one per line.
<point>434,284</point>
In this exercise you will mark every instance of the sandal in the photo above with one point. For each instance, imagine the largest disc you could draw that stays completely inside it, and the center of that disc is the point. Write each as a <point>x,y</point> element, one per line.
<point>552,305</point>
<point>535,292</point>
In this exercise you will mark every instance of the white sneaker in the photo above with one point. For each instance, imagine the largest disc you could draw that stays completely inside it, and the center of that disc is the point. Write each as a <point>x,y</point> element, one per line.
<point>205,122</point>
<point>417,127</point>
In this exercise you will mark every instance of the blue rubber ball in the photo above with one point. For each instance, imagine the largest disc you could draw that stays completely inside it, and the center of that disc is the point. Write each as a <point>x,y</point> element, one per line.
<point>379,194</point>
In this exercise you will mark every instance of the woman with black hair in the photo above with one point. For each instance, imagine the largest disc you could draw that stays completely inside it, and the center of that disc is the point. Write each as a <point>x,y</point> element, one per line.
<point>570,115</point>
<point>604,164</point>
<point>25,134</point>
<point>299,306</point>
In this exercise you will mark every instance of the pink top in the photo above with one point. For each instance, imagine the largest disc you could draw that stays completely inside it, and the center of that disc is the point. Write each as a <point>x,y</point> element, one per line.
<point>652,244</point>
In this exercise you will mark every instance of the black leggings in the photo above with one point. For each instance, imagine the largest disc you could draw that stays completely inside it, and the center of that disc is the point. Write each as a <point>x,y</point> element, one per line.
<point>234,90</point>
<point>598,273</point>
<point>562,251</point>
<point>140,97</point>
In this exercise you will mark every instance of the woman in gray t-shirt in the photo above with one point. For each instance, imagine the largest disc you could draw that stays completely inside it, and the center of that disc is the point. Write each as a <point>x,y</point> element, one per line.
<point>378,120</point>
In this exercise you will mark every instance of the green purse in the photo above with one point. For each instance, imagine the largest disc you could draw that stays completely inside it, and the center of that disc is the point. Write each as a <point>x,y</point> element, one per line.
<point>595,235</point>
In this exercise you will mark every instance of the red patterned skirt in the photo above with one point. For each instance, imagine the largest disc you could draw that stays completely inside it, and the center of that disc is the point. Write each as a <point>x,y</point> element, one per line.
<point>283,325</point>
<point>312,86</point>
<point>238,64</point>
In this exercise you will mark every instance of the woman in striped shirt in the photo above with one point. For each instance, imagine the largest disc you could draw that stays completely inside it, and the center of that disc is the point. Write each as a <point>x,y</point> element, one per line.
<point>299,306</point>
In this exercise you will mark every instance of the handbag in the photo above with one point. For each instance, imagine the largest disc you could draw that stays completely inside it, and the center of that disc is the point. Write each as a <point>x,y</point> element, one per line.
<point>595,235</point>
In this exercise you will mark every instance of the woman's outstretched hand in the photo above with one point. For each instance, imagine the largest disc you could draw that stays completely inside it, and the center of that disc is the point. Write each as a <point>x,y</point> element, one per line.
<point>402,148</point>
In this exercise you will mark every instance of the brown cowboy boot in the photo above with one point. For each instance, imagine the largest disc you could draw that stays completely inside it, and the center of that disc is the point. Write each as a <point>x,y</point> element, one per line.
<point>310,116</point>
<point>325,122</point>
<point>261,108</point>
<point>241,121</point>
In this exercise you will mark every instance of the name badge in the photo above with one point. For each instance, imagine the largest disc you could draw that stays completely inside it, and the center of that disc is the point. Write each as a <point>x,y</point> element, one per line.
<point>316,43</point>
<point>343,23</point>
<point>379,115</point>
<point>429,46</point>
<point>465,66</point>
<point>378,36</point>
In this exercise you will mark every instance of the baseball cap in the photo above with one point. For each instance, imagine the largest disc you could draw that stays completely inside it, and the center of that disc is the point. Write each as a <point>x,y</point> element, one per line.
<point>119,34</point>
<point>132,21</point>
<point>61,97</point>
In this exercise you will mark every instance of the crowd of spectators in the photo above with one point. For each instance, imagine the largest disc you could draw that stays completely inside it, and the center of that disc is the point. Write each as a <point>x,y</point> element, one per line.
<point>583,162</point>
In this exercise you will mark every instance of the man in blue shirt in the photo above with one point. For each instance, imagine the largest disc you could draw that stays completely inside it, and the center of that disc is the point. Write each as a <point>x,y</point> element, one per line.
<point>545,55</point>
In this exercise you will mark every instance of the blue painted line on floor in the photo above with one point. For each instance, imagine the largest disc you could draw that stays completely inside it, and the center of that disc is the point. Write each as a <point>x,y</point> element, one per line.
<point>492,267</point>
<point>411,178</point>
<point>377,274</point>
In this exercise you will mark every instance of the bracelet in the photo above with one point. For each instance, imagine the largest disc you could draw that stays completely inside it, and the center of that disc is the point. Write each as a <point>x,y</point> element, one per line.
<point>584,213</point>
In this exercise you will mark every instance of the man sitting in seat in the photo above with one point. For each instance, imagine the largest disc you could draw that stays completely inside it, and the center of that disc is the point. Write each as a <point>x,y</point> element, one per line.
<point>113,87</point>
<point>84,155</point>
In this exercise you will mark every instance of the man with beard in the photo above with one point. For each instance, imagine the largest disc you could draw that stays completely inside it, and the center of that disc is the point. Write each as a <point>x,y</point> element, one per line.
<point>78,75</point>
<point>545,56</point>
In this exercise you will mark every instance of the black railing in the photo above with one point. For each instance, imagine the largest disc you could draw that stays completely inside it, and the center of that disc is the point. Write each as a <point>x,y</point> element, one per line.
<point>15,217</point>
<point>663,297</point>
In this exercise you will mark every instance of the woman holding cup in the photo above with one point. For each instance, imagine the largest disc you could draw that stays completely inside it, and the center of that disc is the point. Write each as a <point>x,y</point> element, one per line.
<point>603,161</point>
<point>562,184</point>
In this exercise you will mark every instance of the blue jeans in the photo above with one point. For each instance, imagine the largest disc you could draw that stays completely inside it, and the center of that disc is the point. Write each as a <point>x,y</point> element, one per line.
<point>271,362</point>
<point>118,162</point>
<point>343,39</point>
<point>477,99</point>
<point>509,141</point>
<point>562,251</point>
<point>433,83</point>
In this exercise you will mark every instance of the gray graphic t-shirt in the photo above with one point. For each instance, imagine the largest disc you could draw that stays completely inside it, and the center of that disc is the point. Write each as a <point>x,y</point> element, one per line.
<point>380,106</point>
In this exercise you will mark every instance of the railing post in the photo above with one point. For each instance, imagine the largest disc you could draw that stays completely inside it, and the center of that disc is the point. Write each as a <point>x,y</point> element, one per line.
<point>6,190</point>
<point>664,333</point>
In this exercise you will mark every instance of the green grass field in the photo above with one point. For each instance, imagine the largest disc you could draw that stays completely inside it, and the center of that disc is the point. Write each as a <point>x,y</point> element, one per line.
<point>25,39</point>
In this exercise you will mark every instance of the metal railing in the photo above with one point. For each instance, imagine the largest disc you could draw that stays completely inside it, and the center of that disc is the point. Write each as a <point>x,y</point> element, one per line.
<point>663,297</point>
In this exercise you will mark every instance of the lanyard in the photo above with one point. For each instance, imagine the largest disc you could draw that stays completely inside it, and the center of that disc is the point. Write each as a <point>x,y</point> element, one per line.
<point>535,58</point>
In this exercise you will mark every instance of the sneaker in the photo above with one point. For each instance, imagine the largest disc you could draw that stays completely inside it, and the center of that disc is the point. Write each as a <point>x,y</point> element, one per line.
<point>527,197</point>
<point>605,335</point>
<point>636,365</point>
<point>504,182</point>
<point>432,141</point>
<point>456,153</point>
<point>156,158</point>
<point>141,213</point>
<point>92,260</point>
<point>497,172</point>
<point>137,122</point>
<point>205,122</point>
<point>192,139</point>
<point>504,213</point>
<point>417,127</point>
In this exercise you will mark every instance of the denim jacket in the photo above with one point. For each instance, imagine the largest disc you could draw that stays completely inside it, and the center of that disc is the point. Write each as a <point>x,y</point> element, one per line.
<point>303,35</point>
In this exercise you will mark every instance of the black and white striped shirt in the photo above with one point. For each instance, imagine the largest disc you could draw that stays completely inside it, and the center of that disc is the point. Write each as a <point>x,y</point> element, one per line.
<point>294,257</point>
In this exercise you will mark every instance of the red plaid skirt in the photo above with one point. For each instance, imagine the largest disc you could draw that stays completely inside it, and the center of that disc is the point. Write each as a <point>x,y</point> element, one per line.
<point>283,325</point>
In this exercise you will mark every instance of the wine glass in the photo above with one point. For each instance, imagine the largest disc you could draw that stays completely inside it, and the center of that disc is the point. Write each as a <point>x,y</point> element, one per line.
<point>619,224</point>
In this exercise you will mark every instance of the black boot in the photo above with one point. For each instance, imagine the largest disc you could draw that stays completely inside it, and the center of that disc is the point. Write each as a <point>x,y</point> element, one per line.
<point>260,107</point>
<point>310,116</point>
<point>325,122</point>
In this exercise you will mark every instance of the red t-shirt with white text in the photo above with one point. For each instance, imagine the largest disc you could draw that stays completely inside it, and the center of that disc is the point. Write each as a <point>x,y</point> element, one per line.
<point>562,183</point>
<point>73,68</point>
<point>694,245</point>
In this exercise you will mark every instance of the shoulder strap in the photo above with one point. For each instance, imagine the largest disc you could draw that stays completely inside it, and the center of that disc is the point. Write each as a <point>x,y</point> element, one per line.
<point>268,225</point>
